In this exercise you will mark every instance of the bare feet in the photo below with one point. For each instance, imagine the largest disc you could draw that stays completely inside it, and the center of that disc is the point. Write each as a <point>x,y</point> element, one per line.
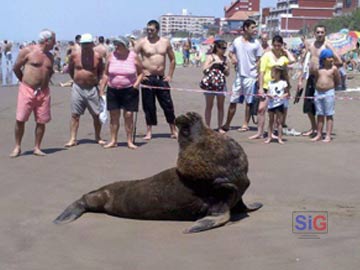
<point>308,133</point>
<point>256,136</point>
<point>327,139</point>
<point>281,141</point>
<point>71,143</point>
<point>15,153</point>
<point>243,129</point>
<point>147,137</point>
<point>110,145</point>
<point>132,146</point>
<point>174,136</point>
<point>101,142</point>
<point>316,138</point>
<point>268,140</point>
<point>223,129</point>
<point>39,153</point>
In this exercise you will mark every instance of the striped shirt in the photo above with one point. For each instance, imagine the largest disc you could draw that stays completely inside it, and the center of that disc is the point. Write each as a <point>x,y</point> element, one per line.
<point>122,73</point>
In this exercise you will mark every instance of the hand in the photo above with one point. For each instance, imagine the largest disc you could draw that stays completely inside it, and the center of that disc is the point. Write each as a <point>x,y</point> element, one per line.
<point>167,79</point>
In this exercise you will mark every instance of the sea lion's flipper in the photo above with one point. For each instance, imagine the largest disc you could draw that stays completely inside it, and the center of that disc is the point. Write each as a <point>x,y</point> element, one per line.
<point>241,207</point>
<point>72,212</point>
<point>209,222</point>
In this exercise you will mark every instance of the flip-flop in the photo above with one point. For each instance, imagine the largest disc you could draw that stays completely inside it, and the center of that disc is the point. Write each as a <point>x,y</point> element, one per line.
<point>243,129</point>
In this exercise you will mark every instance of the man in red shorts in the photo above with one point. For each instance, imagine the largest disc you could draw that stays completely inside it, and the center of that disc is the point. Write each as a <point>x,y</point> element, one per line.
<point>34,68</point>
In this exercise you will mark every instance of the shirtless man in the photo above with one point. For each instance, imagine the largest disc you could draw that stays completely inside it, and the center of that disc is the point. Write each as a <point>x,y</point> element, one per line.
<point>101,48</point>
<point>153,50</point>
<point>7,52</point>
<point>86,69</point>
<point>33,68</point>
<point>315,49</point>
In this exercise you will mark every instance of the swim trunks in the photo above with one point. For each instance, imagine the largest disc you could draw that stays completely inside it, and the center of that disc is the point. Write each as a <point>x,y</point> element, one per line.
<point>325,102</point>
<point>82,98</point>
<point>37,101</point>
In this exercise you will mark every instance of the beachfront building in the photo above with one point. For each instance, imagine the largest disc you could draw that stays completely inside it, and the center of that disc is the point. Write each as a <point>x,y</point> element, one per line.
<point>194,25</point>
<point>290,16</point>
<point>348,6</point>
<point>237,12</point>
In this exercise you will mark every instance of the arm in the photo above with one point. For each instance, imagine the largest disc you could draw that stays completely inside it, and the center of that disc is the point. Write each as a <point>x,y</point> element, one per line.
<point>20,62</point>
<point>171,55</point>
<point>337,58</point>
<point>337,77</point>
<point>139,70</point>
<point>207,63</point>
<point>71,66</point>
<point>104,79</point>
<point>290,56</point>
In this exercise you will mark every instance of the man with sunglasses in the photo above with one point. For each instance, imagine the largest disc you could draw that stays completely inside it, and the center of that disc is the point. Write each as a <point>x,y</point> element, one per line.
<point>34,68</point>
<point>154,50</point>
<point>314,49</point>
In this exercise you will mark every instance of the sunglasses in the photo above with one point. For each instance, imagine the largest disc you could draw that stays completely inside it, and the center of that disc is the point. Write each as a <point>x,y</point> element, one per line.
<point>150,29</point>
<point>223,48</point>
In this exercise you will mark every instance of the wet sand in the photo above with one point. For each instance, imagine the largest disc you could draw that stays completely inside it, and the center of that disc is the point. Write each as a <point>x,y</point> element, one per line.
<point>298,176</point>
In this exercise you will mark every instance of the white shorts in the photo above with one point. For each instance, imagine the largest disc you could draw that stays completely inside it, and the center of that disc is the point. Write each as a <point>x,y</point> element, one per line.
<point>243,86</point>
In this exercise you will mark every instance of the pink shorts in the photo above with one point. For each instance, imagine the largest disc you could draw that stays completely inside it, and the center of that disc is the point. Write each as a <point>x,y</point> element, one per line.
<point>28,102</point>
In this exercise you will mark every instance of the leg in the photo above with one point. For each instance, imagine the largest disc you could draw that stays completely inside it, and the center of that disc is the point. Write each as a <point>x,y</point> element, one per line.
<point>320,126</point>
<point>220,99</point>
<point>270,128</point>
<point>149,107</point>
<point>19,133</point>
<point>261,119</point>
<point>74,126</point>
<point>97,128</point>
<point>230,116</point>
<point>114,128</point>
<point>166,103</point>
<point>247,116</point>
<point>329,128</point>
<point>209,103</point>
<point>128,116</point>
<point>39,134</point>
<point>280,119</point>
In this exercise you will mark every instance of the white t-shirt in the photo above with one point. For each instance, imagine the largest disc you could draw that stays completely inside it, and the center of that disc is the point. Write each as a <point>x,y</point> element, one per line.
<point>247,52</point>
<point>276,89</point>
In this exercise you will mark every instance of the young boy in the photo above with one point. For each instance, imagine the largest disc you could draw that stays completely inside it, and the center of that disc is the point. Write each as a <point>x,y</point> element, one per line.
<point>327,78</point>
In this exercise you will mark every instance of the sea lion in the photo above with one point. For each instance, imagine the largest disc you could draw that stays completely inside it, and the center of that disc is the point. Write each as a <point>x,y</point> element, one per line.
<point>164,196</point>
<point>202,188</point>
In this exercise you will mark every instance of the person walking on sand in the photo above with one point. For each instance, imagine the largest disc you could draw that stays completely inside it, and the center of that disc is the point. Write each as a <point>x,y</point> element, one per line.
<point>153,50</point>
<point>123,74</point>
<point>314,49</point>
<point>86,69</point>
<point>34,68</point>
<point>245,53</point>
<point>327,78</point>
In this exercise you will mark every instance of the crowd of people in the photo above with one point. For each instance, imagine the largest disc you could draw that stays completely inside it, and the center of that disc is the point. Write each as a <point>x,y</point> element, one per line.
<point>116,71</point>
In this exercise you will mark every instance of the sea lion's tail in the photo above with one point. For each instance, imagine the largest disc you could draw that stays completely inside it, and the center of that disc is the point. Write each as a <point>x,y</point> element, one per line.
<point>72,212</point>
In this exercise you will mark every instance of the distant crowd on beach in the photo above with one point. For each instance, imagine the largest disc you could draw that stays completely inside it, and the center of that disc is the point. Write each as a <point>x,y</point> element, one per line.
<point>109,76</point>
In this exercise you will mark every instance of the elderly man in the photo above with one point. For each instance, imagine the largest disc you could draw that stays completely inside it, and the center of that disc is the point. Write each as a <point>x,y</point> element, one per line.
<point>86,69</point>
<point>34,68</point>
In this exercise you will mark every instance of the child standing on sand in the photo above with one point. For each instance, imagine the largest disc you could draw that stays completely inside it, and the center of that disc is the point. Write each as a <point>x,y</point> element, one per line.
<point>327,79</point>
<point>278,92</point>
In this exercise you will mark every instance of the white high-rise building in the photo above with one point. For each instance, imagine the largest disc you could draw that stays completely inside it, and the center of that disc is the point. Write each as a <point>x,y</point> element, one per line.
<point>170,23</point>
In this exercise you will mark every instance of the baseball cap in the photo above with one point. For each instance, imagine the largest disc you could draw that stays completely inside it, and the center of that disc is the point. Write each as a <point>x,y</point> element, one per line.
<point>86,38</point>
<point>121,40</point>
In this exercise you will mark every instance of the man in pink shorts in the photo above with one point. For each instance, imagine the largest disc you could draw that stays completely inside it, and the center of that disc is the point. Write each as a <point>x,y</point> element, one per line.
<point>34,68</point>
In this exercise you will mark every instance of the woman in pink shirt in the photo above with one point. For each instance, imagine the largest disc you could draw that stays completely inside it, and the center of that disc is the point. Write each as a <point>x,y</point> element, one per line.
<point>123,74</point>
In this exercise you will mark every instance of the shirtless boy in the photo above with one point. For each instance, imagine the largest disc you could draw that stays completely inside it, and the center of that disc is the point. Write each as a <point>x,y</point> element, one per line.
<point>153,50</point>
<point>34,68</point>
<point>86,69</point>
<point>327,78</point>
<point>315,49</point>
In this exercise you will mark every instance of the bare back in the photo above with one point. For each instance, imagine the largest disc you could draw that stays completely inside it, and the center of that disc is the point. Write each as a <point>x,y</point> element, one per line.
<point>38,67</point>
<point>86,68</point>
<point>153,55</point>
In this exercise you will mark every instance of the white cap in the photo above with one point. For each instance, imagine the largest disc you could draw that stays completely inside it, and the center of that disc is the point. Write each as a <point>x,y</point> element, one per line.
<point>86,38</point>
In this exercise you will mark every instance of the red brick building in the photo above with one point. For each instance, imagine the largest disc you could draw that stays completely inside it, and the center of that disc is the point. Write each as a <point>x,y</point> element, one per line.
<point>237,12</point>
<point>289,16</point>
<point>349,5</point>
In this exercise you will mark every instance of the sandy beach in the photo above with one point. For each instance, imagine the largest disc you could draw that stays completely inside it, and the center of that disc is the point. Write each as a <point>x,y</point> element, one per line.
<point>298,176</point>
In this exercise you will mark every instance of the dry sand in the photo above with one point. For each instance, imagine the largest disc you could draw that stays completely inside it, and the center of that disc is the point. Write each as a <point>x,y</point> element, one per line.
<point>297,176</point>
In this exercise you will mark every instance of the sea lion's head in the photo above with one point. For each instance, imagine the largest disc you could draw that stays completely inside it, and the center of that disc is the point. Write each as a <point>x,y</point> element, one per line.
<point>190,126</point>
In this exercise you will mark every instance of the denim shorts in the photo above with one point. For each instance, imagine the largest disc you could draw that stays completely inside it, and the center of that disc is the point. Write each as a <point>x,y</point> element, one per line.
<point>325,102</point>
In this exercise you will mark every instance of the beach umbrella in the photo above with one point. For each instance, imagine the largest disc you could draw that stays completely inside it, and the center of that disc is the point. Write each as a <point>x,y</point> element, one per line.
<point>355,34</point>
<point>342,43</point>
<point>209,40</point>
